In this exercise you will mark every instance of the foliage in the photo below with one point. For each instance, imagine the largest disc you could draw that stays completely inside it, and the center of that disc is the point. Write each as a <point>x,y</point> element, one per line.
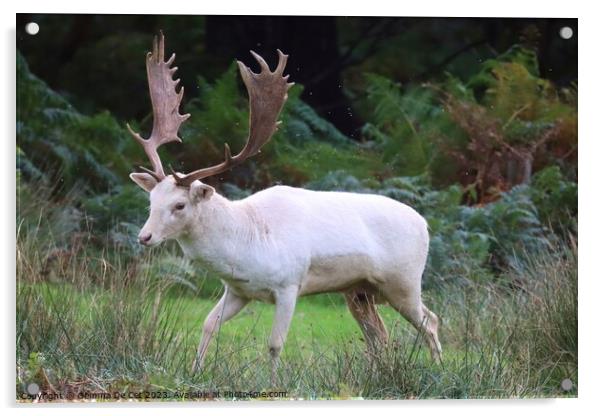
<point>403,124</point>
<point>555,198</point>
<point>65,145</point>
<point>488,133</point>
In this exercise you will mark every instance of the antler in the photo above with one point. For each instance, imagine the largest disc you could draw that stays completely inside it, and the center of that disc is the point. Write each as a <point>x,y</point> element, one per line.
<point>165,101</point>
<point>267,94</point>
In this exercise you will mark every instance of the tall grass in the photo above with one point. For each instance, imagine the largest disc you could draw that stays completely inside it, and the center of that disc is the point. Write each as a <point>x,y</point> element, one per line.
<point>97,318</point>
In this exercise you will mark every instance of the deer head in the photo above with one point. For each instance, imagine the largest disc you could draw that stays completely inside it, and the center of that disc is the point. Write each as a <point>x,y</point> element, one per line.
<point>177,200</point>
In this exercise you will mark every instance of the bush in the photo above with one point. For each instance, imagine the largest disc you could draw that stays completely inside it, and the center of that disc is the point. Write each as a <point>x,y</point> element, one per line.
<point>488,133</point>
<point>556,199</point>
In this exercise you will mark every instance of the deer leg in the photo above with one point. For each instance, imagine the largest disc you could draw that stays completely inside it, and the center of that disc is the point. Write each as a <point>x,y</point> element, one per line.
<point>227,307</point>
<point>432,328</point>
<point>410,306</point>
<point>285,307</point>
<point>363,308</point>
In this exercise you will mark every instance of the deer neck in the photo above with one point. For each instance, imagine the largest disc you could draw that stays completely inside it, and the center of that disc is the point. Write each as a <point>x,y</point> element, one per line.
<point>222,234</point>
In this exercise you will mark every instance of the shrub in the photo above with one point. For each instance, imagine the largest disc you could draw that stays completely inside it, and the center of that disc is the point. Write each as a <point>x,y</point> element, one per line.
<point>555,198</point>
<point>488,133</point>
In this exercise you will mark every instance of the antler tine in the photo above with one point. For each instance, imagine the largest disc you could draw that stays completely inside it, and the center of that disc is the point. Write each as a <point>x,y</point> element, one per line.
<point>282,58</point>
<point>262,63</point>
<point>165,102</point>
<point>150,172</point>
<point>159,50</point>
<point>267,94</point>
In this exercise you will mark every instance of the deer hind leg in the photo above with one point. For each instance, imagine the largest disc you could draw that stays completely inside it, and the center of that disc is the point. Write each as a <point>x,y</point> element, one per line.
<point>432,325</point>
<point>362,306</point>
<point>409,304</point>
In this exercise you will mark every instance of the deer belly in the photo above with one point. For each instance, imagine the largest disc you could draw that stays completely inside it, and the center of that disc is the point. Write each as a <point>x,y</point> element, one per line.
<point>250,290</point>
<point>337,273</point>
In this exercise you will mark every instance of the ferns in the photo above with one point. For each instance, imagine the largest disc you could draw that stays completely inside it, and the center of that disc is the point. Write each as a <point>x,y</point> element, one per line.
<point>302,122</point>
<point>57,143</point>
<point>488,134</point>
<point>399,124</point>
<point>556,199</point>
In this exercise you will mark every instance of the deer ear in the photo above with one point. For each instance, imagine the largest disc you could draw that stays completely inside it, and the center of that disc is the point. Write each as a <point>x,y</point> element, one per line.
<point>200,191</point>
<point>144,180</point>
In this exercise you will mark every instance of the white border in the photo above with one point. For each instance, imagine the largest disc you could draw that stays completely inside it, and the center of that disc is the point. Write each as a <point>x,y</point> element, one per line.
<point>461,8</point>
<point>590,95</point>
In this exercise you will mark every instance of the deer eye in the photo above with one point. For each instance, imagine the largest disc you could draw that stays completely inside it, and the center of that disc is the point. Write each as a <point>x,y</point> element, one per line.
<point>180,206</point>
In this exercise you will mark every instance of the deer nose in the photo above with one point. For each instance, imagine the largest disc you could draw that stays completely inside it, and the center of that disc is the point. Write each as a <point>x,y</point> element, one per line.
<point>145,238</point>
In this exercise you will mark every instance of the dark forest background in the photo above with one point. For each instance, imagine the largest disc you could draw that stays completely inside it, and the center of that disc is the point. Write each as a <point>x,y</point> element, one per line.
<point>96,59</point>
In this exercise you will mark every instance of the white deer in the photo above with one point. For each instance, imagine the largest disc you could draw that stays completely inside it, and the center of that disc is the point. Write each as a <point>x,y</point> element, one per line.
<point>283,242</point>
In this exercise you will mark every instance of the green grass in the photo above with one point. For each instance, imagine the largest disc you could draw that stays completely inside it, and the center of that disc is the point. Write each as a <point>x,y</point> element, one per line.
<point>144,337</point>
<point>322,319</point>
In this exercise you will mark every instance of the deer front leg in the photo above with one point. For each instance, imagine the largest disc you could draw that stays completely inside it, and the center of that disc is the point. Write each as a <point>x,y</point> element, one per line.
<point>227,307</point>
<point>285,307</point>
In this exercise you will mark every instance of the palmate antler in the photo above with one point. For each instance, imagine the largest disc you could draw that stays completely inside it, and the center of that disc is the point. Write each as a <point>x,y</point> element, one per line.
<point>165,101</point>
<point>267,95</point>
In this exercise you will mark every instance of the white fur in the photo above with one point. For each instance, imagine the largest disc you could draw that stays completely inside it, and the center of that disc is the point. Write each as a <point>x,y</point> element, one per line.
<point>286,242</point>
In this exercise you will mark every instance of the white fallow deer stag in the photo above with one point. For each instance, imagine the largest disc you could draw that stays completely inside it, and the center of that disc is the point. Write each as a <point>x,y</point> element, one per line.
<point>283,242</point>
